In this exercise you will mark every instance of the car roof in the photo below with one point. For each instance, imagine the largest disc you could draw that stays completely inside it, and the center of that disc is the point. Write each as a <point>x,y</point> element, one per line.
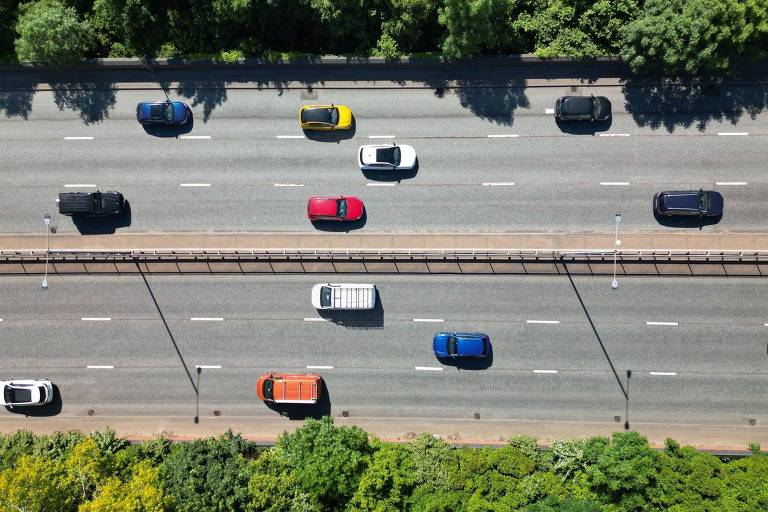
<point>323,205</point>
<point>317,114</point>
<point>577,104</point>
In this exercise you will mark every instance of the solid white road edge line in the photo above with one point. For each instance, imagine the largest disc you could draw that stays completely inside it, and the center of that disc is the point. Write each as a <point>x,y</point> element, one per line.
<point>78,138</point>
<point>195,137</point>
<point>428,368</point>
<point>208,366</point>
<point>95,319</point>
<point>542,321</point>
<point>194,184</point>
<point>731,183</point>
<point>732,133</point>
<point>428,320</point>
<point>614,183</point>
<point>663,373</point>
<point>319,367</point>
<point>499,184</point>
<point>99,367</point>
<point>207,319</point>
<point>660,323</point>
<point>544,371</point>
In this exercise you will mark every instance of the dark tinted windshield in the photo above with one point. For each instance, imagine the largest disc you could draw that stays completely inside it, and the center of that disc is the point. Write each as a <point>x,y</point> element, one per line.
<point>703,201</point>
<point>452,345</point>
<point>341,208</point>
<point>267,389</point>
<point>596,107</point>
<point>168,112</point>
<point>325,296</point>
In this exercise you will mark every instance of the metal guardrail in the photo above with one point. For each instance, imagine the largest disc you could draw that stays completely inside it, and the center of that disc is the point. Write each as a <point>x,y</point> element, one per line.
<point>515,253</point>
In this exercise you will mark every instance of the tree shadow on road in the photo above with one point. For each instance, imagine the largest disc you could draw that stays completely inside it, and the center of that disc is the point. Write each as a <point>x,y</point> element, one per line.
<point>685,105</point>
<point>209,94</point>
<point>491,101</point>
<point>92,100</point>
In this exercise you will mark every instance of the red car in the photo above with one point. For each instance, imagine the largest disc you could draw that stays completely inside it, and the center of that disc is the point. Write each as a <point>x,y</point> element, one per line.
<point>341,208</point>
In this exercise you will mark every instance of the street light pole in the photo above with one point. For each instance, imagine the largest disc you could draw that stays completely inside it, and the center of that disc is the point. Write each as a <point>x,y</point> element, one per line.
<point>47,222</point>
<point>617,243</point>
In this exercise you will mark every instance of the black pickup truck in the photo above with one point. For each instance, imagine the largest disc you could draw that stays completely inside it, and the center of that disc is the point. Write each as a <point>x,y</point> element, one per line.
<point>91,204</point>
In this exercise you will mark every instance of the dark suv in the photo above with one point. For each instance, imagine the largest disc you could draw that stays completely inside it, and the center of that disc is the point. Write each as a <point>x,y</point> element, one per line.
<point>582,108</point>
<point>90,204</point>
<point>704,203</point>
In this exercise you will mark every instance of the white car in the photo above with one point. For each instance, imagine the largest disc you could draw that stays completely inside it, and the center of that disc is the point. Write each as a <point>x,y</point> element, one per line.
<point>385,157</point>
<point>26,392</point>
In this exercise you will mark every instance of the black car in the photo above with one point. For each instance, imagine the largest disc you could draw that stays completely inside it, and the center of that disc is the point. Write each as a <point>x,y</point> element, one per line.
<point>90,204</point>
<point>582,108</point>
<point>704,203</point>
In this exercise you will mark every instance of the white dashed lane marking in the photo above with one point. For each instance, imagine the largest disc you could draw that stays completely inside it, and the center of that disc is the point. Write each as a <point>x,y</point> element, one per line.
<point>542,321</point>
<point>195,137</point>
<point>428,320</point>
<point>381,136</point>
<point>661,323</point>
<point>207,319</point>
<point>79,185</point>
<point>733,133</point>
<point>614,135</point>
<point>315,319</point>
<point>427,368</point>
<point>504,136</point>
<point>194,184</point>
<point>614,183</point>
<point>499,184</point>
<point>287,184</point>
<point>99,367</point>
<point>731,183</point>
<point>544,371</point>
<point>290,137</point>
<point>208,366</point>
<point>549,111</point>
<point>380,184</point>
<point>319,367</point>
<point>78,138</point>
<point>95,319</point>
<point>663,373</point>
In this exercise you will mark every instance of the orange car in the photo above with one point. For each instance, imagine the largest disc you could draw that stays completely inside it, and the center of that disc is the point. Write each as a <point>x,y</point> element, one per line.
<point>289,388</point>
<point>325,117</point>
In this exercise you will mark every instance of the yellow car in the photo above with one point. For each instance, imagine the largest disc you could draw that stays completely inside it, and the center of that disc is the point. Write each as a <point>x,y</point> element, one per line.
<point>325,117</point>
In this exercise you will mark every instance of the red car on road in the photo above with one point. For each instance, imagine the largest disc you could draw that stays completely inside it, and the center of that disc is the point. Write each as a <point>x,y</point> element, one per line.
<point>340,208</point>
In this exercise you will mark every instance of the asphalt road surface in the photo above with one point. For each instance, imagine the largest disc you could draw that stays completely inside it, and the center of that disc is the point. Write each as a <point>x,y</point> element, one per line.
<point>560,348</point>
<point>490,159</point>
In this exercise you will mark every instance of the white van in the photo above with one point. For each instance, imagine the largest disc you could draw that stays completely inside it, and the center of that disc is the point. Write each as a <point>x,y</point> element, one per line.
<point>343,296</point>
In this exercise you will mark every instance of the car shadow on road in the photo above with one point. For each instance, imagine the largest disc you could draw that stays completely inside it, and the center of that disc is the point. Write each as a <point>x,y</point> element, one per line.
<point>301,412</point>
<point>51,409</point>
<point>339,227</point>
<point>332,135</point>
<point>398,176</point>
<point>103,225</point>
<point>170,131</point>
<point>691,222</point>
<point>584,127</point>
<point>363,319</point>
<point>470,363</point>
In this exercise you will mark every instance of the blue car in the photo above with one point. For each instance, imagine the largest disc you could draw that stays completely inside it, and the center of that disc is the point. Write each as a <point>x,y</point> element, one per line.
<point>168,113</point>
<point>461,344</point>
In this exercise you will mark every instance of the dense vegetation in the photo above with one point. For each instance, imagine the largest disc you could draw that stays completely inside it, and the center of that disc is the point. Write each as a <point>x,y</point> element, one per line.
<point>667,36</point>
<point>322,467</point>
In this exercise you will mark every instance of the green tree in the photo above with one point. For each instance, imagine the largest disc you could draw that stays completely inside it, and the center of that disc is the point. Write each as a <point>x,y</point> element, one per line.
<point>140,493</point>
<point>36,485</point>
<point>409,26</point>
<point>328,461</point>
<point>15,445</point>
<point>274,488</point>
<point>126,27</point>
<point>690,37</point>
<point>50,32</point>
<point>388,481</point>
<point>624,471</point>
<point>430,457</point>
<point>8,13</point>
<point>476,26</point>
<point>87,466</point>
<point>745,485</point>
<point>208,475</point>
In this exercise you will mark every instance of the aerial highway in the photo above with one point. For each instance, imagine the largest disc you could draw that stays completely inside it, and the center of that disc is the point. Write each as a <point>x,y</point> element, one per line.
<point>490,159</point>
<point>560,347</point>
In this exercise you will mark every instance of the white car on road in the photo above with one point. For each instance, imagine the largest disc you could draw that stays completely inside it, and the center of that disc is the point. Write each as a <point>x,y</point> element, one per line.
<point>26,392</point>
<point>386,157</point>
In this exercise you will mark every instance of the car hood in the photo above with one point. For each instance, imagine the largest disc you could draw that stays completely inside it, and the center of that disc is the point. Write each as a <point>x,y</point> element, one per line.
<point>576,105</point>
<point>345,115</point>
<point>369,154</point>
<point>715,203</point>
<point>325,206</point>
<point>354,208</point>
<point>439,343</point>
<point>407,156</point>
<point>179,112</point>
<point>113,201</point>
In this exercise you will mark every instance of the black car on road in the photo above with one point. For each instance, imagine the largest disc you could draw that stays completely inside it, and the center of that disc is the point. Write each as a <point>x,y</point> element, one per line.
<point>90,204</point>
<point>582,108</point>
<point>704,203</point>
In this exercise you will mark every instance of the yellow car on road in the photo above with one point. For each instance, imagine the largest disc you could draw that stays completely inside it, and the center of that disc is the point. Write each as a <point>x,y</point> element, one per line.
<point>325,117</point>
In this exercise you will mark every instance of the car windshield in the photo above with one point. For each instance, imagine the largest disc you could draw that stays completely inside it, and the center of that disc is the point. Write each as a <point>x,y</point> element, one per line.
<point>334,113</point>
<point>43,393</point>
<point>7,396</point>
<point>267,389</point>
<point>596,107</point>
<point>168,111</point>
<point>452,342</point>
<point>325,296</point>
<point>389,155</point>
<point>703,201</point>
<point>341,207</point>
